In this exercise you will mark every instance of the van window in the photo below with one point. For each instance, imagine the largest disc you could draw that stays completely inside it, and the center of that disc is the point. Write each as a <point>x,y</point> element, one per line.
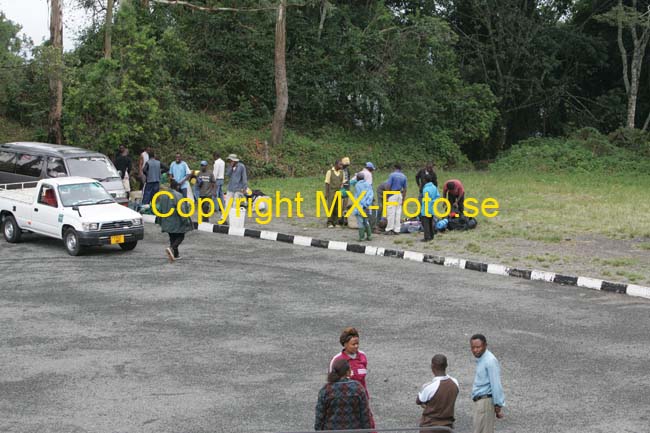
<point>7,161</point>
<point>96,167</point>
<point>29,165</point>
<point>55,167</point>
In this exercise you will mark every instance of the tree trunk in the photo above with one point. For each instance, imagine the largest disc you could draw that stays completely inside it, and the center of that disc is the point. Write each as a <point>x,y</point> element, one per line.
<point>635,72</point>
<point>55,134</point>
<point>108,27</point>
<point>281,87</point>
<point>323,14</point>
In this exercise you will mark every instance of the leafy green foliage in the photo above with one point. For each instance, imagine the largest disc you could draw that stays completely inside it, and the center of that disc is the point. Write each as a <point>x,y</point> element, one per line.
<point>124,100</point>
<point>585,151</point>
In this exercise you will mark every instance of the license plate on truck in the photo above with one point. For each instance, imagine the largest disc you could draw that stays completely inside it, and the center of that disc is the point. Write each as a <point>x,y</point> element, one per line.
<point>117,239</point>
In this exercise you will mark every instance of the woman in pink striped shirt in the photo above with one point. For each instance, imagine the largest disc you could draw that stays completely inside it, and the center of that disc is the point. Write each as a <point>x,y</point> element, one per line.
<point>349,339</point>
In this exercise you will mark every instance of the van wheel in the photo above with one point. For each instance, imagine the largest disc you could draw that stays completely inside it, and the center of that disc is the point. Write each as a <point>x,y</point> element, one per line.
<point>10,229</point>
<point>71,242</point>
<point>128,246</point>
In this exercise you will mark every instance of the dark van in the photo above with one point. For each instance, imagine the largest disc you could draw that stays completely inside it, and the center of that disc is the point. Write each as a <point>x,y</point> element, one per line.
<point>27,161</point>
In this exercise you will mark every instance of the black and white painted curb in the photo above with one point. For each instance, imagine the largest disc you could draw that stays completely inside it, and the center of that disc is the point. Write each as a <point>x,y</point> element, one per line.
<point>452,262</point>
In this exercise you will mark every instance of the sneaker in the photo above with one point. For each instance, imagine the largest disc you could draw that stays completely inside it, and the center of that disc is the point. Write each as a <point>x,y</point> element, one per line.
<point>170,255</point>
<point>330,226</point>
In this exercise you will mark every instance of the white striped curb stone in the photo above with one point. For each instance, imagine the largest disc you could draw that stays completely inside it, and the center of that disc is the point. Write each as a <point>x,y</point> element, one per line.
<point>452,262</point>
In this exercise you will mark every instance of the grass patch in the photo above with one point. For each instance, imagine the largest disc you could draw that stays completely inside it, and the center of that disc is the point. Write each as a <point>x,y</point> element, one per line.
<point>473,247</point>
<point>542,207</point>
<point>620,262</point>
<point>644,246</point>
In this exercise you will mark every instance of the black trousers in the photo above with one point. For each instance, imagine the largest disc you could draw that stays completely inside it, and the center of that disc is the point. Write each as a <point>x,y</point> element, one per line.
<point>427,225</point>
<point>175,239</point>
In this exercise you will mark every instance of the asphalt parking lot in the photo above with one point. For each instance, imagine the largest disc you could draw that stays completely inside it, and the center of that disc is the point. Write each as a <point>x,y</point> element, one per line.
<point>236,337</point>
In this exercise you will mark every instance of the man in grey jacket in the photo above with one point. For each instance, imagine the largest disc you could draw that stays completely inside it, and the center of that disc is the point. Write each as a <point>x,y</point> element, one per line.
<point>238,182</point>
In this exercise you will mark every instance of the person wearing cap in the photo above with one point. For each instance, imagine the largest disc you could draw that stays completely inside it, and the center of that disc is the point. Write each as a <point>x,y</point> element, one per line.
<point>238,178</point>
<point>362,187</point>
<point>206,183</point>
<point>367,172</point>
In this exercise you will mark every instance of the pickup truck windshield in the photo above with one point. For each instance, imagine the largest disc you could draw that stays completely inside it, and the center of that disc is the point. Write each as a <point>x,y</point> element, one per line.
<point>82,194</point>
<point>96,167</point>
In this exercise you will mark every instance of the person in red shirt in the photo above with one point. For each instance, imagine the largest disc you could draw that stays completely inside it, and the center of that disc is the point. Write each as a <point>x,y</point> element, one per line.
<point>455,193</point>
<point>349,339</point>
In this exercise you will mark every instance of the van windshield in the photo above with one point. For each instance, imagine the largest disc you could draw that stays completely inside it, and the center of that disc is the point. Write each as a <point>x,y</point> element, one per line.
<point>81,194</point>
<point>96,167</point>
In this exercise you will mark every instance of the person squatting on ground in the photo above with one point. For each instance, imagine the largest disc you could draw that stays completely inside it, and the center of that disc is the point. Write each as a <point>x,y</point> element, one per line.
<point>396,182</point>
<point>152,171</point>
<point>487,392</point>
<point>455,193</point>
<point>342,402</point>
<point>363,223</point>
<point>174,225</point>
<point>438,397</point>
<point>349,339</point>
<point>333,184</point>
<point>429,196</point>
<point>380,221</point>
<point>206,186</point>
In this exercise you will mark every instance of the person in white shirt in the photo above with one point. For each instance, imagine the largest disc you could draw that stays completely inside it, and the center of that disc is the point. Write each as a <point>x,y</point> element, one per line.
<point>218,170</point>
<point>144,157</point>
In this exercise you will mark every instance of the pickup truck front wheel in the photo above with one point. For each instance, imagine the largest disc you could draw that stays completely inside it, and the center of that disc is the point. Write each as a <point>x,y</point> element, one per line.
<point>128,246</point>
<point>71,242</point>
<point>10,229</point>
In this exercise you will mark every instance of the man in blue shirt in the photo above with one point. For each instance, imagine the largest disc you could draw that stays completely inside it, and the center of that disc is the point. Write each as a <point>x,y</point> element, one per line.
<point>181,173</point>
<point>487,392</point>
<point>397,183</point>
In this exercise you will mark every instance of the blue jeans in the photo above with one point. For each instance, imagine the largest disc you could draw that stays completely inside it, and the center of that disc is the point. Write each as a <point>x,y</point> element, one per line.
<point>218,195</point>
<point>183,192</point>
<point>150,188</point>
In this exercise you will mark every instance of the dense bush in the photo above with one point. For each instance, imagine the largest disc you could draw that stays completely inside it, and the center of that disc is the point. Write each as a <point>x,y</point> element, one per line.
<point>585,150</point>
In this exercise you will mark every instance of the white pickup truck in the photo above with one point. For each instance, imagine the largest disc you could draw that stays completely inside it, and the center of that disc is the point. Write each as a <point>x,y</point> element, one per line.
<point>77,210</point>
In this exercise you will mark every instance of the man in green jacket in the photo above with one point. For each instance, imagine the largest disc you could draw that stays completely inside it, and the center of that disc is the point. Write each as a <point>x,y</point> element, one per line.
<point>174,225</point>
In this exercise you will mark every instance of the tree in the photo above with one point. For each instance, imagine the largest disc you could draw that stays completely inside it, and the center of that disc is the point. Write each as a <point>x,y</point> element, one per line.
<point>638,25</point>
<point>107,29</point>
<point>55,133</point>
<point>11,65</point>
<point>281,87</point>
<point>282,92</point>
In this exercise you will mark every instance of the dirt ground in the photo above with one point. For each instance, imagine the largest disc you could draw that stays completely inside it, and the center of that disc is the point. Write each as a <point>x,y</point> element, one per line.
<point>593,256</point>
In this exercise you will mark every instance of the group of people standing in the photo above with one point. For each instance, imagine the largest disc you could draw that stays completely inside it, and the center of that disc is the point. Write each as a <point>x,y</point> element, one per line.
<point>338,178</point>
<point>344,402</point>
<point>207,184</point>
